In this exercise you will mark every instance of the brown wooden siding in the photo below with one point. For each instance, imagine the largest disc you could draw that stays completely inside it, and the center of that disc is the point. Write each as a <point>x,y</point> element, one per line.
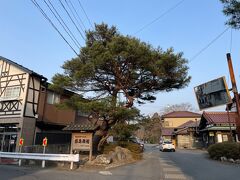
<point>58,116</point>
<point>49,113</point>
<point>41,103</point>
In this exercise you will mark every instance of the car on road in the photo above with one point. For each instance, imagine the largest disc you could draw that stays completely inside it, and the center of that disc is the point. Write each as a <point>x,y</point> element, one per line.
<point>167,146</point>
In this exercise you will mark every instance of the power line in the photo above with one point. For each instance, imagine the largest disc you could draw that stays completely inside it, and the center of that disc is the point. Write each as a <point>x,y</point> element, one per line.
<point>74,15</point>
<point>71,19</point>
<point>85,13</point>
<point>52,24</point>
<point>159,17</point>
<point>64,26</point>
<point>63,22</point>
<point>208,45</point>
<point>77,15</point>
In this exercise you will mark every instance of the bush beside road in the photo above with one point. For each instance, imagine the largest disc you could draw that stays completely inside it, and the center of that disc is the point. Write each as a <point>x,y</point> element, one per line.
<point>226,151</point>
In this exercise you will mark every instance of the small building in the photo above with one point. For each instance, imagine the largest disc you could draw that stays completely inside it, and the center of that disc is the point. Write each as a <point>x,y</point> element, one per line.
<point>171,121</point>
<point>186,135</point>
<point>215,127</point>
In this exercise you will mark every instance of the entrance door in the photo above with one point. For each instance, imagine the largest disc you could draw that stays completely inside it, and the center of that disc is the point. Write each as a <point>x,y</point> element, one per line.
<point>1,142</point>
<point>219,138</point>
<point>8,137</point>
<point>8,142</point>
<point>13,142</point>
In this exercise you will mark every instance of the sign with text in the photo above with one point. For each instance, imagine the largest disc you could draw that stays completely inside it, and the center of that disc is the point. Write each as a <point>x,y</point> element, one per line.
<point>82,141</point>
<point>212,93</point>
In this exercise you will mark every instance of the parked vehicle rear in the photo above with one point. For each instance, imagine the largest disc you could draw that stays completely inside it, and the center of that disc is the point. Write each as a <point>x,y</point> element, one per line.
<point>167,146</point>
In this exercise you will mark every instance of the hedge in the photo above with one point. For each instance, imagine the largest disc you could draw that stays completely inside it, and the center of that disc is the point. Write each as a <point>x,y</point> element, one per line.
<point>225,149</point>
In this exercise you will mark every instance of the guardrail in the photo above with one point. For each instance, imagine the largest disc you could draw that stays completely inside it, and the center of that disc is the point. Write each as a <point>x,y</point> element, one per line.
<point>38,156</point>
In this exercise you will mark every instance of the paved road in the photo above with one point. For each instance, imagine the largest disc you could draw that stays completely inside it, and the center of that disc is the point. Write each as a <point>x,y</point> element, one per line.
<point>196,165</point>
<point>156,165</point>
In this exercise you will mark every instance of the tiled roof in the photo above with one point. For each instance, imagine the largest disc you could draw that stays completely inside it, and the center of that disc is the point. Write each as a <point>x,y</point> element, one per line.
<point>219,117</point>
<point>167,131</point>
<point>182,131</point>
<point>181,114</point>
<point>190,123</point>
<point>80,127</point>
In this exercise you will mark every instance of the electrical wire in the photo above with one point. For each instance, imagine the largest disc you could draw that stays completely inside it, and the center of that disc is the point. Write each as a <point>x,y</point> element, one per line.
<point>62,23</point>
<point>49,1</point>
<point>52,24</point>
<point>77,14</point>
<point>159,17</point>
<point>85,14</point>
<point>72,19</point>
<point>208,45</point>
<point>74,16</point>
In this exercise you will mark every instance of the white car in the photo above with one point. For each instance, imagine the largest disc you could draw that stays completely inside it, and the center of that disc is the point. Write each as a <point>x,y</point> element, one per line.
<point>167,146</point>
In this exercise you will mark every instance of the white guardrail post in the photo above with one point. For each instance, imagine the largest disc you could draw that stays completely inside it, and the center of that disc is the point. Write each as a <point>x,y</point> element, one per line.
<point>38,156</point>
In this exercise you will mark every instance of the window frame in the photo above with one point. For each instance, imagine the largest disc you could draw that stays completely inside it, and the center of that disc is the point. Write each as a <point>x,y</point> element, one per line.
<point>55,98</point>
<point>9,93</point>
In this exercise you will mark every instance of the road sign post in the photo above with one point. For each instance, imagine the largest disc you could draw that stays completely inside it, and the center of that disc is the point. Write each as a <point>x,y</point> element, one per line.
<point>44,143</point>
<point>21,142</point>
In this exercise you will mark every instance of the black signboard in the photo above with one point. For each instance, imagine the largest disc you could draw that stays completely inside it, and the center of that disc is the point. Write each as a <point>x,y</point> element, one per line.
<point>212,93</point>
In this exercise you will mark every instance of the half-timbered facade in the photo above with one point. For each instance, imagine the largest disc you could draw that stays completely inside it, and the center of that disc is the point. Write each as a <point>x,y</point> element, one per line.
<point>19,98</point>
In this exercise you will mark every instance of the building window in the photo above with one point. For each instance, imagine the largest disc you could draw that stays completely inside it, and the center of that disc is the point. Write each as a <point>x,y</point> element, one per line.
<point>12,92</point>
<point>53,98</point>
<point>225,137</point>
<point>166,124</point>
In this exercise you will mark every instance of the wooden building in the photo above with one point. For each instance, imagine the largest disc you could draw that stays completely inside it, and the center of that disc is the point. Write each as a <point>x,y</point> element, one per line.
<point>177,118</point>
<point>171,121</point>
<point>217,127</point>
<point>27,108</point>
<point>186,135</point>
<point>19,96</point>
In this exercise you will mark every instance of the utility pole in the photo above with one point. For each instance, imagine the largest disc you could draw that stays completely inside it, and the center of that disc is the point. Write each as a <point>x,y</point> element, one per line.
<point>235,92</point>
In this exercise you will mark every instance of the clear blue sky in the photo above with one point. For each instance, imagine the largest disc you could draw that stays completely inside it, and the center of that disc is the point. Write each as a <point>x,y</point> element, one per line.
<point>28,39</point>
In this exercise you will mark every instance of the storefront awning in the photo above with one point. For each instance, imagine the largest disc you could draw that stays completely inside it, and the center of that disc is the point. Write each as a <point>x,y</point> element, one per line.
<point>219,128</point>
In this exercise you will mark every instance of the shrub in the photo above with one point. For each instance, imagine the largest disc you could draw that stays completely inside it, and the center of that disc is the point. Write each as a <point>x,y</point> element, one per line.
<point>133,147</point>
<point>109,147</point>
<point>227,149</point>
<point>136,149</point>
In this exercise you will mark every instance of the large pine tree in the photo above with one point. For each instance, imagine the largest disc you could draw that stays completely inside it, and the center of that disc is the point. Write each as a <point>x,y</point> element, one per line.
<point>232,10</point>
<point>111,64</point>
